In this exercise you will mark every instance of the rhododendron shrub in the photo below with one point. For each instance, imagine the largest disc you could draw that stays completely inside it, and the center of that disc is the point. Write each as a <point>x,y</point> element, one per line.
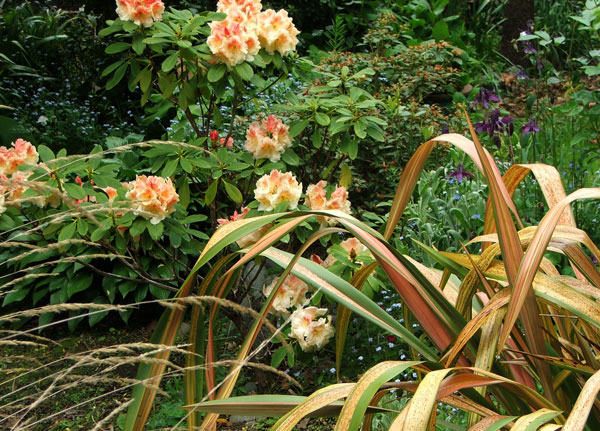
<point>277,188</point>
<point>141,12</point>
<point>268,139</point>
<point>132,229</point>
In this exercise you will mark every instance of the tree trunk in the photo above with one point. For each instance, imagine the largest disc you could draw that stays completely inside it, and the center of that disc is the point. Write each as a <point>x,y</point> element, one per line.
<point>517,13</point>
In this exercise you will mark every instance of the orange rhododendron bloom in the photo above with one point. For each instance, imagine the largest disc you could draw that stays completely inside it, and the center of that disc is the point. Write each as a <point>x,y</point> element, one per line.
<point>316,199</point>
<point>277,32</point>
<point>268,139</point>
<point>291,293</point>
<point>275,188</point>
<point>153,197</point>
<point>312,333</point>
<point>233,40</point>
<point>141,12</point>
<point>21,153</point>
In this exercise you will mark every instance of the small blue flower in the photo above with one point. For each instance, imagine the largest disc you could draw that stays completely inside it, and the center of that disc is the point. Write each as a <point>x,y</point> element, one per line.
<point>378,349</point>
<point>391,345</point>
<point>360,358</point>
<point>476,216</point>
<point>332,370</point>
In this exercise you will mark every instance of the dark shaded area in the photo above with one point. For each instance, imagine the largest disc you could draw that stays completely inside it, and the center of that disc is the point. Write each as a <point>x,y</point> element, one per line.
<point>517,14</point>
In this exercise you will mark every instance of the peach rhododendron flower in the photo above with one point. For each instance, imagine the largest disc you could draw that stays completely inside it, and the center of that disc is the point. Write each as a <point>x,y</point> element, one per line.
<point>233,40</point>
<point>268,139</point>
<point>111,192</point>
<point>153,197</point>
<point>249,7</point>
<point>275,188</point>
<point>21,153</point>
<point>13,188</point>
<point>140,11</point>
<point>316,199</point>
<point>276,31</point>
<point>291,293</point>
<point>353,246</point>
<point>310,332</point>
<point>252,237</point>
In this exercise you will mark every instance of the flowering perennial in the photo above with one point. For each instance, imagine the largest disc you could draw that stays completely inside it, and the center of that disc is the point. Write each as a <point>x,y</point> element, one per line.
<point>153,197</point>
<point>276,32</point>
<point>312,333</point>
<point>275,188</point>
<point>268,139</point>
<point>316,199</point>
<point>141,12</point>
<point>241,34</point>
<point>21,153</point>
<point>291,293</point>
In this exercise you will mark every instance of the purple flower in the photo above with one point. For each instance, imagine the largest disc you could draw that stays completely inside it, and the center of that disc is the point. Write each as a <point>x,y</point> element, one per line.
<point>493,123</point>
<point>522,74</point>
<point>484,97</point>
<point>529,47</point>
<point>459,173</point>
<point>530,127</point>
<point>445,129</point>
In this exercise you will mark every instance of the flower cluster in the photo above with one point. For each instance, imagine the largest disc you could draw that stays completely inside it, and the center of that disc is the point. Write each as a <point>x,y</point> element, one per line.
<point>234,39</point>
<point>291,293</point>
<point>252,237</point>
<point>275,188</point>
<point>241,34</point>
<point>268,139</point>
<point>276,32</point>
<point>21,153</point>
<point>316,199</point>
<point>153,197</point>
<point>141,12</point>
<point>311,333</point>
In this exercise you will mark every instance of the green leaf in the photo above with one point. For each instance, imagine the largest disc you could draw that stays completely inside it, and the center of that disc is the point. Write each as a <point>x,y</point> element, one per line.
<point>440,31</point>
<point>322,119</point>
<point>345,176</point>
<point>297,127</point>
<point>116,47</point>
<point>116,78</point>
<point>291,158</point>
<point>170,168</point>
<point>155,230</point>
<point>233,192</point>
<point>138,227</point>
<point>278,356</point>
<point>170,62</point>
<point>216,72</point>
<point>79,283</point>
<point>245,71</point>
<point>211,192</point>
<point>138,44</point>
<point>184,193</point>
<point>67,232</point>
<point>45,153</point>
<point>74,191</point>
<point>112,68</point>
